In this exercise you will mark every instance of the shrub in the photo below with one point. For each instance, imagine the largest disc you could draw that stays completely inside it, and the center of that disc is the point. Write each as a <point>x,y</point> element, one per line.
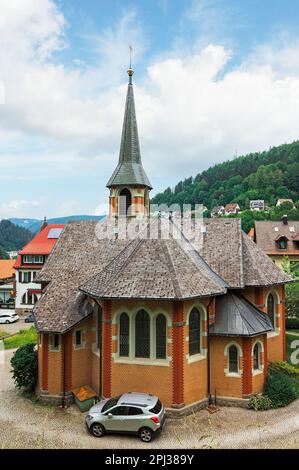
<point>279,387</point>
<point>260,403</point>
<point>24,367</point>
<point>292,323</point>
<point>287,368</point>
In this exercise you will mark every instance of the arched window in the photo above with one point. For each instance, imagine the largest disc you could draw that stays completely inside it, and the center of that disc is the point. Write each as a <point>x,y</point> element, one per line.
<point>142,334</point>
<point>233,359</point>
<point>194,332</point>
<point>124,334</point>
<point>257,356</point>
<point>271,309</point>
<point>125,202</point>
<point>160,337</point>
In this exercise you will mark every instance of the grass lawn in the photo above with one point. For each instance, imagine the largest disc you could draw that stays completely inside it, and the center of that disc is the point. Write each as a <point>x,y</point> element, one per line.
<point>289,340</point>
<point>3,334</point>
<point>21,338</point>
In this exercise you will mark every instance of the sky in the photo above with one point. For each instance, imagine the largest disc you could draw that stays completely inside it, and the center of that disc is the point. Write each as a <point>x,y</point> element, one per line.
<point>213,79</point>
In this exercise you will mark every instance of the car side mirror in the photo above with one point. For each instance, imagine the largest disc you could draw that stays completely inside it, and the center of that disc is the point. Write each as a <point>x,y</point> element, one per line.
<point>110,415</point>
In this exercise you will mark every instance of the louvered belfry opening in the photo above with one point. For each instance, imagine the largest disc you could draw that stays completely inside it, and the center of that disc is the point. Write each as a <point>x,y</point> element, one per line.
<point>142,334</point>
<point>125,203</point>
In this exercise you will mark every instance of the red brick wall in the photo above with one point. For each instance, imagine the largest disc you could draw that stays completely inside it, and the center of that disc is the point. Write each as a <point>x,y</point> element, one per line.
<point>107,348</point>
<point>178,353</point>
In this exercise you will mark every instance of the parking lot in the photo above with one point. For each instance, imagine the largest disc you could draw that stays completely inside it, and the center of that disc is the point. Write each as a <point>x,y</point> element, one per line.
<point>12,328</point>
<point>24,424</point>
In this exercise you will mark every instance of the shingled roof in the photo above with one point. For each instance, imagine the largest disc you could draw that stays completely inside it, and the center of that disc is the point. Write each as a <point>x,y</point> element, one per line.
<point>160,269</point>
<point>129,170</point>
<point>259,268</point>
<point>156,269</point>
<point>267,234</point>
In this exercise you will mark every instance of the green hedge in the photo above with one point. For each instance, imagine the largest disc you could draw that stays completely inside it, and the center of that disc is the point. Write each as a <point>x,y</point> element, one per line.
<point>280,387</point>
<point>287,368</point>
<point>292,323</point>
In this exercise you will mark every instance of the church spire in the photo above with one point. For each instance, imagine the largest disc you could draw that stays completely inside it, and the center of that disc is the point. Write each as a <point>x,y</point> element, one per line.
<point>129,171</point>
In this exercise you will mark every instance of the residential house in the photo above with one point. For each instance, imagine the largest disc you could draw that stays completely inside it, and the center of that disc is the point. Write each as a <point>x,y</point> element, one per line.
<point>180,314</point>
<point>257,205</point>
<point>283,201</point>
<point>231,208</point>
<point>278,239</point>
<point>29,262</point>
<point>7,283</point>
<point>217,211</point>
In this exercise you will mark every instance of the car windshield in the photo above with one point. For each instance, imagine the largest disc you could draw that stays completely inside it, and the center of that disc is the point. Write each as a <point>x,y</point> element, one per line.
<point>110,403</point>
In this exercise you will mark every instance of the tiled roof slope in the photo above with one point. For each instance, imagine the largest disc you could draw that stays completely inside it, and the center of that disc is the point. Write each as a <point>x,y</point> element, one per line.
<point>41,244</point>
<point>146,269</point>
<point>259,269</point>
<point>155,269</point>
<point>77,255</point>
<point>266,235</point>
<point>7,268</point>
<point>221,248</point>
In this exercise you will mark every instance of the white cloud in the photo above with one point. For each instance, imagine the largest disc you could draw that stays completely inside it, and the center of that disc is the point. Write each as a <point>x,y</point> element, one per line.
<point>19,208</point>
<point>191,111</point>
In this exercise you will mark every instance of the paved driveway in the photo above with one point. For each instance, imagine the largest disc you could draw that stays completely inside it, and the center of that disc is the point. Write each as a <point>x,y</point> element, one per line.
<point>25,425</point>
<point>12,328</point>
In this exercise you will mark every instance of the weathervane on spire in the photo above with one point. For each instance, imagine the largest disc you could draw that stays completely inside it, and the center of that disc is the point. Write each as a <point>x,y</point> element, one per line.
<point>130,70</point>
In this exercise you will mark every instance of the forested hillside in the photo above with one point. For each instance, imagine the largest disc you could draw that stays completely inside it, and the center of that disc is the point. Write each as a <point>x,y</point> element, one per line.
<point>13,237</point>
<point>267,175</point>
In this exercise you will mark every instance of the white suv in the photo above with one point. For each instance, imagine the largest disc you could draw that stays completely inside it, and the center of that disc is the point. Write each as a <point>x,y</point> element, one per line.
<point>8,317</point>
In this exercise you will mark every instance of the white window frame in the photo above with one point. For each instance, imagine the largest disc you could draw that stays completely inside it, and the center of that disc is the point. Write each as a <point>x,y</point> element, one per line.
<point>240,355</point>
<point>83,342</point>
<point>131,359</point>
<point>277,302</point>
<point>203,319</point>
<point>260,370</point>
<point>51,343</point>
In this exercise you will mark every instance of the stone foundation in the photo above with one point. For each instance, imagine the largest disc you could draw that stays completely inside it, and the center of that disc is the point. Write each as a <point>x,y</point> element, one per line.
<point>55,400</point>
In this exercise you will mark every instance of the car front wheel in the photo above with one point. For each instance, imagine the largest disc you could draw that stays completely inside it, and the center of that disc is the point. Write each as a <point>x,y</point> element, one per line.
<point>7,322</point>
<point>146,434</point>
<point>97,430</point>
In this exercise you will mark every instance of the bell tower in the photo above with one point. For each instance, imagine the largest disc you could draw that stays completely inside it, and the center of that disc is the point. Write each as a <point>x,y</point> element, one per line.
<point>129,186</point>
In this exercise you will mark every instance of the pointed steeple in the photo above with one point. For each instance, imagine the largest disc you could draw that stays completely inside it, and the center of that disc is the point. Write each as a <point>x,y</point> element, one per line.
<point>129,171</point>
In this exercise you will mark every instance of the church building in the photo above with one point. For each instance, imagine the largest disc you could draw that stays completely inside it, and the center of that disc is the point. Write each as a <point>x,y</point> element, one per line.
<point>181,316</point>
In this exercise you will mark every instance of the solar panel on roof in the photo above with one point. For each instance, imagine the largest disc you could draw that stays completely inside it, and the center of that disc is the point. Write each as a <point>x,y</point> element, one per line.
<point>54,232</point>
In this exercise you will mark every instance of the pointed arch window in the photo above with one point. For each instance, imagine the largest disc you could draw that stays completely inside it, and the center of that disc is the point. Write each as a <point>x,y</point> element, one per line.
<point>161,337</point>
<point>271,309</point>
<point>125,202</point>
<point>142,334</point>
<point>233,359</point>
<point>124,334</point>
<point>194,332</point>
